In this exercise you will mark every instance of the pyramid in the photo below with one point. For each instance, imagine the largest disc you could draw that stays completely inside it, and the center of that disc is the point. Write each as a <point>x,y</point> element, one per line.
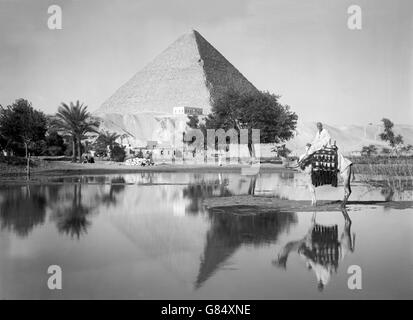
<point>190,72</point>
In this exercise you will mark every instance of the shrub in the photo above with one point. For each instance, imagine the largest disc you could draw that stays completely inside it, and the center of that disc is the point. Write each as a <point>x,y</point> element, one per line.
<point>54,145</point>
<point>15,161</point>
<point>54,151</point>
<point>369,150</point>
<point>386,151</point>
<point>118,154</point>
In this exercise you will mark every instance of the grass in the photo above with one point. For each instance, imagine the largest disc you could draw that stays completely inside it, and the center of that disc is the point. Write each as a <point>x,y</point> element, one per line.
<point>382,160</point>
<point>391,173</point>
<point>14,161</point>
<point>384,166</point>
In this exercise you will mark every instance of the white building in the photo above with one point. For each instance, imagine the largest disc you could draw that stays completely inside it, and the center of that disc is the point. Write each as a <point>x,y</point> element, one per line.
<point>187,111</point>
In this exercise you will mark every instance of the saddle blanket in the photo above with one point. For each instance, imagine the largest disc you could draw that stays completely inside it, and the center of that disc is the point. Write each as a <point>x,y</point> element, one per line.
<point>324,165</point>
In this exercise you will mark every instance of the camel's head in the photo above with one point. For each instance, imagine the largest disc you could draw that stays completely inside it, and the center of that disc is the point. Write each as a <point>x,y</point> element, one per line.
<point>304,162</point>
<point>281,262</point>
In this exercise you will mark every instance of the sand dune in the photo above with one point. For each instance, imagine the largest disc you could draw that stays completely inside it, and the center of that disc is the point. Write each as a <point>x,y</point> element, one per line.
<point>348,137</point>
<point>150,126</point>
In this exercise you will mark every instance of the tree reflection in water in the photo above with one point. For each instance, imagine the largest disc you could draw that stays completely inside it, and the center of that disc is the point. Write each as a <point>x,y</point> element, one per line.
<point>321,249</point>
<point>234,227</point>
<point>72,220</point>
<point>22,209</point>
<point>199,191</point>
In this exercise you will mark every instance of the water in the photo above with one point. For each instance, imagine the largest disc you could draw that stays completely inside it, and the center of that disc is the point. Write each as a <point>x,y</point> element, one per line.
<point>148,236</point>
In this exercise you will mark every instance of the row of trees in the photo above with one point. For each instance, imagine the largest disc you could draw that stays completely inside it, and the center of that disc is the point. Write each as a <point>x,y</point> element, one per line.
<point>395,142</point>
<point>25,130</point>
<point>276,122</point>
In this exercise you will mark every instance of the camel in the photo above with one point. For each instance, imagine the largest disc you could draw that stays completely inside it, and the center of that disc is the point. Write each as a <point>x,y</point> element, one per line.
<point>345,174</point>
<point>321,248</point>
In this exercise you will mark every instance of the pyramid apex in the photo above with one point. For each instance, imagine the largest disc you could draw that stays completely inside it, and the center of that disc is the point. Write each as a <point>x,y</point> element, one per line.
<point>191,33</point>
<point>195,32</point>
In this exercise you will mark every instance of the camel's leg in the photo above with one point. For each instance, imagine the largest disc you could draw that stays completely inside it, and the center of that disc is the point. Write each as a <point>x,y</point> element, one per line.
<point>313,218</point>
<point>347,187</point>
<point>346,216</point>
<point>313,195</point>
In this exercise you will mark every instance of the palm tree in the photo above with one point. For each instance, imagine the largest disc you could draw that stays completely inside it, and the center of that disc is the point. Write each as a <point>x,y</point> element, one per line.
<point>76,121</point>
<point>108,139</point>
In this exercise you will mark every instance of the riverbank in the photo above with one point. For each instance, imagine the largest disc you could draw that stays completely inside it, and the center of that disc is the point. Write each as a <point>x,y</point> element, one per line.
<point>44,169</point>
<point>248,204</point>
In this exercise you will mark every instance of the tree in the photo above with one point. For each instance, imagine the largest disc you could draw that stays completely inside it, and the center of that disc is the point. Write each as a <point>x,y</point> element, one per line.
<point>369,150</point>
<point>55,145</point>
<point>260,110</point>
<point>76,121</point>
<point>389,136</point>
<point>107,139</point>
<point>3,141</point>
<point>118,153</point>
<point>140,154</point>
<point>104,141</point>
<point>193,121</point>
<point>386,151</point>
<point>406,148</point>
<point>21,125</point>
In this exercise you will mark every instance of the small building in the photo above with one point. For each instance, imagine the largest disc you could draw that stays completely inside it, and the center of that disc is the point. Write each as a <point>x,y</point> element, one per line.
<point>151,144</point>
<point>355,154</point>
<point>187,111</point>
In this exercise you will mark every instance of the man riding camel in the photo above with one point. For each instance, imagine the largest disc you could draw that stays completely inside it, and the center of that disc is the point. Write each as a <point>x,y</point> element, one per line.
<point>324,163</point>
<point>321,140</point>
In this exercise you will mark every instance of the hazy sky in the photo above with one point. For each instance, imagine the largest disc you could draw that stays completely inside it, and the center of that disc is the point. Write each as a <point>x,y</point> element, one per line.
<point>301,50</point>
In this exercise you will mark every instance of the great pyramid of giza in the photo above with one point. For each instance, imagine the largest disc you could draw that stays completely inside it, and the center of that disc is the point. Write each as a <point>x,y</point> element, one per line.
<point>189,73</point>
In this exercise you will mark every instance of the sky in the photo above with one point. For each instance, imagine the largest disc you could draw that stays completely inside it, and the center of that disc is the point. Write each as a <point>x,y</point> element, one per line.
<point>301,50</point>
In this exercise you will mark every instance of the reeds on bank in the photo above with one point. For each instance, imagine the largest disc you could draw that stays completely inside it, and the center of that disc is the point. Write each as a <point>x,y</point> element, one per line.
<point>390,172</point>
<point>384,166</point>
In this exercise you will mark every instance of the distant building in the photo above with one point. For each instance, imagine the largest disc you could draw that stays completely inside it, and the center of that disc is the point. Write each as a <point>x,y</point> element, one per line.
<point>151,144</point>
<point>187,111</point>
<point>355,153</point>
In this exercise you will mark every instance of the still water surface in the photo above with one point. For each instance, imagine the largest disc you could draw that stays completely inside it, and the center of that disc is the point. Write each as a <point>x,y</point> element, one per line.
<point>148,236</point>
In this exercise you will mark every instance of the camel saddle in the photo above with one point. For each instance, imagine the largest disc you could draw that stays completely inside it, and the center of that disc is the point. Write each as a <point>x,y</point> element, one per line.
<point>324,163</point>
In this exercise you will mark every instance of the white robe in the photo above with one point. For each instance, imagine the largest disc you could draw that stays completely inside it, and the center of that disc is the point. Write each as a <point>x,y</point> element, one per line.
<point>321,139</point>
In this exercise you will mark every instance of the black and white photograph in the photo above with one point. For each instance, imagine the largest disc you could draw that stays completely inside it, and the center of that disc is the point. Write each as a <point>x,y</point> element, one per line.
<point>192,150</point>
